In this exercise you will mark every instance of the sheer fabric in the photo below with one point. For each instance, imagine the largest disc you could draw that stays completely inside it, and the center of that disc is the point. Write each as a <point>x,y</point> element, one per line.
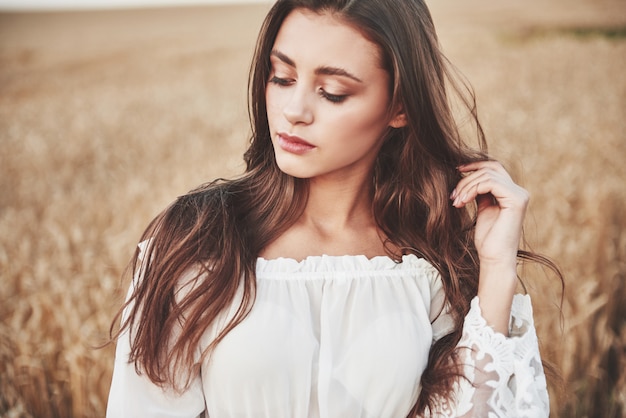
<point>342,337</point>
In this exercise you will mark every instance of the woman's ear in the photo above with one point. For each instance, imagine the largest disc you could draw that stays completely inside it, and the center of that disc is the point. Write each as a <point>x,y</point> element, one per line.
<point>399,120</point>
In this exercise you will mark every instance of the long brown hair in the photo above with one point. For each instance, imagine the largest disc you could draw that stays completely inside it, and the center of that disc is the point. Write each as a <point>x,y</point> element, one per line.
<point>218,230</point>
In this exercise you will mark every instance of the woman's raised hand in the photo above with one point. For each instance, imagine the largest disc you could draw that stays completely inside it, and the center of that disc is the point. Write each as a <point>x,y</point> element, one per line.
<point>501,209</point>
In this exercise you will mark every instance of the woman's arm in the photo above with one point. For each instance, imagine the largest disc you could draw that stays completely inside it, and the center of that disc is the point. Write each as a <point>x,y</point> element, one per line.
<point>498,350</point>
<point>501,209</point>
<point>133,394</point>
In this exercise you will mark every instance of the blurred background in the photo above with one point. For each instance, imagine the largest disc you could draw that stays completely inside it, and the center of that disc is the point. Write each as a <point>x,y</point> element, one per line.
<point>106,115</point>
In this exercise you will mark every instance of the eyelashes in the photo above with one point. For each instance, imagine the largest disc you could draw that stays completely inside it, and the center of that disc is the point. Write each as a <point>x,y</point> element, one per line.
<point>280,81</point>
<point>333,98</point>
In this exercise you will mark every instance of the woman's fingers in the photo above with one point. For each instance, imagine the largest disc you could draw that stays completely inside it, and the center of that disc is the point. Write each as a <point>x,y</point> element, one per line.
<point>478,183</point>
<point>501,210</point>
<point>488,178</point>
<point>477,165</point>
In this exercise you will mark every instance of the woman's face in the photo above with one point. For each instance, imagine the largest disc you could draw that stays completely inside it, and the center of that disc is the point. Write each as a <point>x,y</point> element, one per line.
<point>327,98</point>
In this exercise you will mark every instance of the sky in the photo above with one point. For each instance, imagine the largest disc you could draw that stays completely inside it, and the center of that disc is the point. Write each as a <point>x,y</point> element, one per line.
<point>107,4</point>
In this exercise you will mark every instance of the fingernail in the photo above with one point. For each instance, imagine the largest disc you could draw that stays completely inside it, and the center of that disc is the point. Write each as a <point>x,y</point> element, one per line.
<point>453,194</point>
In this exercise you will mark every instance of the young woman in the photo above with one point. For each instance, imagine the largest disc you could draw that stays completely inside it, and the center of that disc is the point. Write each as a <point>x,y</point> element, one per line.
<point>364,265</point>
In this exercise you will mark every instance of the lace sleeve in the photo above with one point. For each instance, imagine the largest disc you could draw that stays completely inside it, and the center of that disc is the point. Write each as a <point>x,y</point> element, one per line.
<point>505,376</point>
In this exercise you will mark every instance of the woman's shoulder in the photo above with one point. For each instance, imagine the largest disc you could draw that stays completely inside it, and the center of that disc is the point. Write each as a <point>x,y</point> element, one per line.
<point>214,200</point>
<point>193,224</point>
<point>208,195</point>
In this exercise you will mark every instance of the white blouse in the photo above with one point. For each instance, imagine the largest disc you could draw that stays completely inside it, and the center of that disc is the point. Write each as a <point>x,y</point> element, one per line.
<point>343,337</point>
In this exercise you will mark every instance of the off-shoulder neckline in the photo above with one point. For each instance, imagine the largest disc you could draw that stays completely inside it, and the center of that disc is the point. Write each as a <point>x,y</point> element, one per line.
<point>315,258</point>
<point>339,263</point>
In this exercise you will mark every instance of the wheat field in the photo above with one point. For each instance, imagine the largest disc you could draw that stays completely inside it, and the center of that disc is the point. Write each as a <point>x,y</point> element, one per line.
<point>105,117</point>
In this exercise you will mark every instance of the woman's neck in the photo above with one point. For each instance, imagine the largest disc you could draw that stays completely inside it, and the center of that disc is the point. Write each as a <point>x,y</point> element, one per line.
<point>339,205</point>
<point>337,220</point>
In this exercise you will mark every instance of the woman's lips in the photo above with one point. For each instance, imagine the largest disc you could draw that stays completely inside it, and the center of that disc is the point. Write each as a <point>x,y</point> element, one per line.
<point>294,144</point>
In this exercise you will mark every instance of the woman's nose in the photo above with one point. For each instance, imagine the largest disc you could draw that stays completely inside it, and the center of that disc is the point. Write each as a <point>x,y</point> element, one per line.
<point>298,108</point>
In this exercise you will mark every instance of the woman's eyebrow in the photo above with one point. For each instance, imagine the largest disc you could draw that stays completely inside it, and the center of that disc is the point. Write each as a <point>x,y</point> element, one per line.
<point>336,71</point>
<point>324,70</point>
<point>284,58</point>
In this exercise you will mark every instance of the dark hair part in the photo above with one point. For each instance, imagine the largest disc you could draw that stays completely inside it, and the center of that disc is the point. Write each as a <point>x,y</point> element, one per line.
<point>221,228</point>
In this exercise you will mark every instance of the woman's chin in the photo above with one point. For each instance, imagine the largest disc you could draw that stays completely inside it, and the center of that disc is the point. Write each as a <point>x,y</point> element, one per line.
<point>294,172</point>
<point>294,168</point>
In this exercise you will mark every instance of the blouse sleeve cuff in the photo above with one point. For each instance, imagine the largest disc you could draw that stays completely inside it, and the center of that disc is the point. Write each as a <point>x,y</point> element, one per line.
<point>504,351</point>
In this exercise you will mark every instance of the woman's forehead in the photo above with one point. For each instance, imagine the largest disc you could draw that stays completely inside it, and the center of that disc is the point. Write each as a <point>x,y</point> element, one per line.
<point>326,39</point>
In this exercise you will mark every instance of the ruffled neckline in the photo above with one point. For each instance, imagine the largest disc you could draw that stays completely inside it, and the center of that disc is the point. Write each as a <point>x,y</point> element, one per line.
<point>337,264</point>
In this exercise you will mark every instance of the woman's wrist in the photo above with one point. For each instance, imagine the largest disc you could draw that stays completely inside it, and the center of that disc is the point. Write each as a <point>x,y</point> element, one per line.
<point>496,287</point>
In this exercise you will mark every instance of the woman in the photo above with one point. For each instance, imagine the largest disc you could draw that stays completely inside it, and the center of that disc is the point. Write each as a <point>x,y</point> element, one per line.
<point>344,274</point>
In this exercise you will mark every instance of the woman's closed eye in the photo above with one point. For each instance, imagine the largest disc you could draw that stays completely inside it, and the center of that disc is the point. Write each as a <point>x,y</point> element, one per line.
<point>285,82</point>
<point>334,98</point>
<point>280,81</point>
